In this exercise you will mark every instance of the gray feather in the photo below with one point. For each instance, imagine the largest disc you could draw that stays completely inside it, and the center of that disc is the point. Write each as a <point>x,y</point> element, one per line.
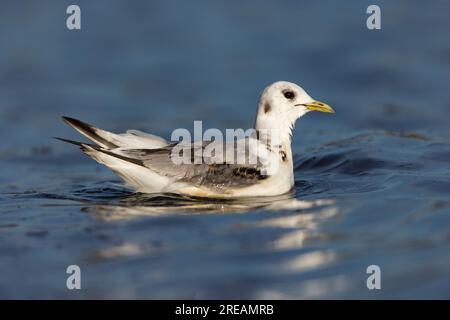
<point>203,172</point>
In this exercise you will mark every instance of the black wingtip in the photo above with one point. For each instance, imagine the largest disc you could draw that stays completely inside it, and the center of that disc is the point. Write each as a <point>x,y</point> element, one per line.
<point>89,131</point>
<point>86,146</point>
<point>75,123</point>
<point>77,143</point>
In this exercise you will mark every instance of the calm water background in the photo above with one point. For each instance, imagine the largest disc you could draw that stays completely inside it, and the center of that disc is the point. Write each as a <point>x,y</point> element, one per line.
<point>372,182</point>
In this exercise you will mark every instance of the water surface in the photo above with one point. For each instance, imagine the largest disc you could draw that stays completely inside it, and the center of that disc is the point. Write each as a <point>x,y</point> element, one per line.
<point>372,182</point>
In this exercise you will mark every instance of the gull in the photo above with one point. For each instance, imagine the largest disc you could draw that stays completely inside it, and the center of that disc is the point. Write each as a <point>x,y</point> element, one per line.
<point>147,164</point>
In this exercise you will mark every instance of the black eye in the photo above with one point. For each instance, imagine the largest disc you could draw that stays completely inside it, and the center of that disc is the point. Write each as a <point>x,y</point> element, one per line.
<point>288,94</point>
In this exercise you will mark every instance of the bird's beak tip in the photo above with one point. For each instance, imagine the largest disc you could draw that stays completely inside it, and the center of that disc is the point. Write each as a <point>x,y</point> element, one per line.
<point>319,106</point>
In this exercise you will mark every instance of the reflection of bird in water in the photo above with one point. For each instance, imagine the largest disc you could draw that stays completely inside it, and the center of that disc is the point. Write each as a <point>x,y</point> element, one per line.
<point>298,219</point>
<point>147,163</point>
<point>139,205</point>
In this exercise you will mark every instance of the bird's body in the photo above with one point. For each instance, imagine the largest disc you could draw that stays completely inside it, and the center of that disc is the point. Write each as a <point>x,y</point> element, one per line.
<point>261,164</point>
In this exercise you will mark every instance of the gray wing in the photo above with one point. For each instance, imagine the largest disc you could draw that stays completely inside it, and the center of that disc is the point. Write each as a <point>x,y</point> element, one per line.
<point>207,164</point>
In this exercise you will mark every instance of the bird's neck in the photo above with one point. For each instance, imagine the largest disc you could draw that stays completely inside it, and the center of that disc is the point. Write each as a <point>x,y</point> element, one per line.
<point>277,135</point>
<point>277,140</point>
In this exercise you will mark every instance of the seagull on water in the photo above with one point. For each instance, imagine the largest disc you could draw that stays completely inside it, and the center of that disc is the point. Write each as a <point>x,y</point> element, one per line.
<point>146,162</point>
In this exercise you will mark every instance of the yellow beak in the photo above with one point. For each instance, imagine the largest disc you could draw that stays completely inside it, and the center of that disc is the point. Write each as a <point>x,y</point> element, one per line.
<point>318,106</point>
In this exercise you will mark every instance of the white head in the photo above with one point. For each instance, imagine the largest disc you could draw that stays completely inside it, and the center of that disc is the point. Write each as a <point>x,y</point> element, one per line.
<point>282,103</point>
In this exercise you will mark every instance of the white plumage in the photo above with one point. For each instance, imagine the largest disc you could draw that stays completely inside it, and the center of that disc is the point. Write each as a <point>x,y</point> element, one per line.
<point>146,162</point>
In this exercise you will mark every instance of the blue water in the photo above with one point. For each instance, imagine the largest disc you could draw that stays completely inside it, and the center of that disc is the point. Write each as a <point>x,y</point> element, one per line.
<point>372,182</point>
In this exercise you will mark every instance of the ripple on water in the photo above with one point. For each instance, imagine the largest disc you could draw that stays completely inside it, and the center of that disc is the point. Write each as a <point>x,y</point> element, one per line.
<point>333,215</point>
